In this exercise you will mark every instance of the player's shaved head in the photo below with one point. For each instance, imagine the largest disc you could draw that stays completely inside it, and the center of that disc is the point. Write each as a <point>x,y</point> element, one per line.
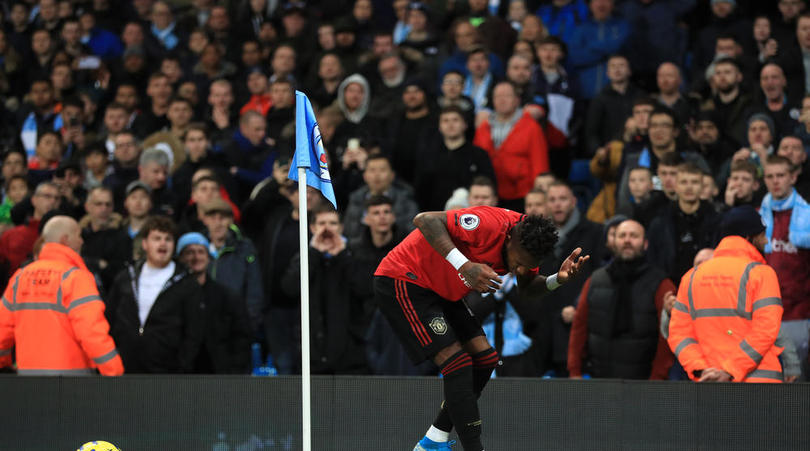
<point>63,230</point>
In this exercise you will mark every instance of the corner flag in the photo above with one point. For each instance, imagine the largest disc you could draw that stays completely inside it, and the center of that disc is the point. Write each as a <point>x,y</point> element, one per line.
<point>309,150</point>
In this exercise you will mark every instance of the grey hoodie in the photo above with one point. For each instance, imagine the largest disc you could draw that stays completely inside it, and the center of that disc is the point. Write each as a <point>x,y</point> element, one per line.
<point>354,116</point>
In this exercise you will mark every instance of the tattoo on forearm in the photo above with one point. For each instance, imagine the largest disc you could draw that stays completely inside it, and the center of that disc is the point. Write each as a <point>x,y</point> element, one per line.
<point>435,232</point>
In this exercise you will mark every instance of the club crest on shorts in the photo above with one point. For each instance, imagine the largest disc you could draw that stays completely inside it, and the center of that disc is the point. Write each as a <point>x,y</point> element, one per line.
<point>469,221</point>
<point>438,325</point>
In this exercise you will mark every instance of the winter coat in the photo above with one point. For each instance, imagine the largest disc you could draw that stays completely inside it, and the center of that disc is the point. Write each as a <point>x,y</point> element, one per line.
<point>171,337</point>
<point>591,44</point>
<point>519,159</point>
<point>336,336</point>
<point>237,269</point>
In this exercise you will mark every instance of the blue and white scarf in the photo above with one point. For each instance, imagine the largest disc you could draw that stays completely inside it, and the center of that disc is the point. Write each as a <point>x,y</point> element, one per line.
<point>29,132</point>
<point>515,342</point>
<point>799,229</point>
<point>166,36</point>
<point>401,31</point>
<point>478,94</point>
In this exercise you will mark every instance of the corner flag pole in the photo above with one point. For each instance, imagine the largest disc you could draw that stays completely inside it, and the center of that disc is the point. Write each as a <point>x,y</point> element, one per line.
<point>303,249</point>
<point>309,156</point>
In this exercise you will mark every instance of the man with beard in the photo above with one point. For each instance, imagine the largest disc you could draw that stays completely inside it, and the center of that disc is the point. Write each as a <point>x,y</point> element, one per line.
<point>730,103</point>
<point>411,130</point>
<point>387,86</point>
<point>615,328</point>
<point>707,140</point>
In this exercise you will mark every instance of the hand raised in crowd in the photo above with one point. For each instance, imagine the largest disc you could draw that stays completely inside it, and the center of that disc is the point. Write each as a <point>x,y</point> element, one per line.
<point>325,241</point>
<point>571,266</point>
<point>536,111</point>
<point>355,155</point>
<point>602,155</point>
<point>220,118</point>
<point>760,150</point>
<point>568,314</point>
<point>480,277</point>
<point>630,129</point>
<point>771,48</point>
<point>742,154</point>
<point>730,195</point>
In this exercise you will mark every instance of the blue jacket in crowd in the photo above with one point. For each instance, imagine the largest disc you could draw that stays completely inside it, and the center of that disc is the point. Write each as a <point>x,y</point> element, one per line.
<point>591,45</point>
<point>562,22</point>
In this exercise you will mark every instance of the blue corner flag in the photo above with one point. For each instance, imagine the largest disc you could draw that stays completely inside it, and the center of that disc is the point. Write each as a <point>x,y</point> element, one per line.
<point>309,150</point>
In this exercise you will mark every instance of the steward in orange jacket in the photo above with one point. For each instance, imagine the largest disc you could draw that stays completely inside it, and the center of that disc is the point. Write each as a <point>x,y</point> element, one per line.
<point>51,311</point>
<point>727,316</point>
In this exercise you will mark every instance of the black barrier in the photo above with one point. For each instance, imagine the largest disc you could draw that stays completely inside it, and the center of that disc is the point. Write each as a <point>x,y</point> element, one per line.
<point>382,414</point>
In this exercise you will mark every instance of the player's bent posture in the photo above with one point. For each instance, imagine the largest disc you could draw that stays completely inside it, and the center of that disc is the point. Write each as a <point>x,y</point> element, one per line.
<point>418,286</point>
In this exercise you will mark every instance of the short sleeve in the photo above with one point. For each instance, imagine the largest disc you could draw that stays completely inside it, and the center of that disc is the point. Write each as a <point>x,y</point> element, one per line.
<point>480,226</point>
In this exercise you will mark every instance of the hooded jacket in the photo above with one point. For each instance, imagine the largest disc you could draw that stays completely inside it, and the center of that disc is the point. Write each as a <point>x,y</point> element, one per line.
<point>728,314</point>
<point>357,115</point>
<point>52,314</point>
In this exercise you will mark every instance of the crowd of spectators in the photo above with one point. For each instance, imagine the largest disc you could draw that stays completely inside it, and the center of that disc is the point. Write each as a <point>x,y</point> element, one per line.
<point>166,129</point>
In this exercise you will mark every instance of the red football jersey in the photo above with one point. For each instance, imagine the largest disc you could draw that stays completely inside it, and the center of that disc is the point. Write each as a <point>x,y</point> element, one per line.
<point>478,232</point>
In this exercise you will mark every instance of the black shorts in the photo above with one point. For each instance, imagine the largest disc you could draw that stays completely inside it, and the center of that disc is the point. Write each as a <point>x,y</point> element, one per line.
<point>425,322</point>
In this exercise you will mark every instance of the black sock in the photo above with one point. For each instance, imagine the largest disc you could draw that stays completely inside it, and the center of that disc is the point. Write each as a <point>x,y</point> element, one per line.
<point>460,400</point>
<point>483,364</point>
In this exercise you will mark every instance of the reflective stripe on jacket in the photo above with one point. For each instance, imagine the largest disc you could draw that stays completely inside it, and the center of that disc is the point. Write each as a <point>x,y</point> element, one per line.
<point>728,314</point>
<point>52,313</point>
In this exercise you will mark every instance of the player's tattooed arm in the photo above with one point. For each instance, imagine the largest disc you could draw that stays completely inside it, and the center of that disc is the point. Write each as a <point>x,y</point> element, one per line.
<point>478,276</point>
<point>433,225</point>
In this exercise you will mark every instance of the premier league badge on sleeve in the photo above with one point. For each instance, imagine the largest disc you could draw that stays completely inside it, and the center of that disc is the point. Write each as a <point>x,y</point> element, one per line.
<point>469,221</point>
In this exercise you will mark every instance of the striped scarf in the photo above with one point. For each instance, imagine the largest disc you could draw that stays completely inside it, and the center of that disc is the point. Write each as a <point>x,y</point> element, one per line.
<point>500,130</point>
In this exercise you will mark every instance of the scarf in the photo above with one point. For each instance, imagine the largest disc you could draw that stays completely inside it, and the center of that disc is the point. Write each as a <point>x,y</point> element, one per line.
<point>401,31</point>
<point>29,132</point>
<point>799,229</point>
<point>500,130</point>
<point>623,273</point>
<point>166,36</point>
<point>515,342</point>
<point>478,93</point>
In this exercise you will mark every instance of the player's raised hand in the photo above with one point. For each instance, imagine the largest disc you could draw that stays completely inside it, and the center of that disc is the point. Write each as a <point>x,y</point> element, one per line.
<point>480,277</point>
<point>571,266</point>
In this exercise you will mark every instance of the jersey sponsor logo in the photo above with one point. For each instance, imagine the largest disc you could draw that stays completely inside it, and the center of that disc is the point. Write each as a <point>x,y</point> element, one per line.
<point>466,284</point>
<point>438,325</point>
<point>411,275</point>
<point>784,246</point>
<point>469,221</point>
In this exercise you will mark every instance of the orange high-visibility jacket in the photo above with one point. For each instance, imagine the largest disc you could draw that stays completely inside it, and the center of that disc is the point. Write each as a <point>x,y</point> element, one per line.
<point>52,313</point>
<point>728,314</point>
